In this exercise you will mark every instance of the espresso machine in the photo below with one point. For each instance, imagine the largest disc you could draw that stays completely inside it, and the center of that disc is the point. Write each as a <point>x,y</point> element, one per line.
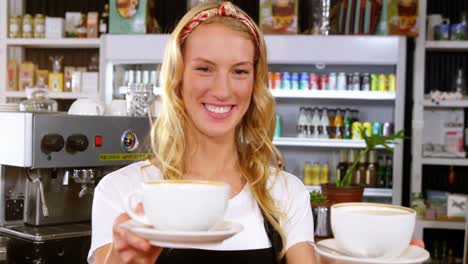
<point>50,164</point>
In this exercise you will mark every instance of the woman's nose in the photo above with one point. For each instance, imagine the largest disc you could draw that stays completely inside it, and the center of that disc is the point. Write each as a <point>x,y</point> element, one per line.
<point>222,87</point>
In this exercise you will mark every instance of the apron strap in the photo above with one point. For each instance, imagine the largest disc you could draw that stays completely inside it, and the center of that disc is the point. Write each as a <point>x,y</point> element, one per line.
<point>275,239</point>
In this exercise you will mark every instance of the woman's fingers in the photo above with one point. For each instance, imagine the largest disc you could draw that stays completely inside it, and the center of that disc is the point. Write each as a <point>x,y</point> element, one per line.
<point>418,243</point>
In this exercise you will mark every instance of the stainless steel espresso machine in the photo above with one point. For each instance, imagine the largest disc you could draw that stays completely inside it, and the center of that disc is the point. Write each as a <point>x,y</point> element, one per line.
<point>49,166</point>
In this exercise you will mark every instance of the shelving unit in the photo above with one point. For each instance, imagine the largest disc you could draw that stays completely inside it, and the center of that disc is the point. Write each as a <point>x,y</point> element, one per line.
<point>323,143</point>
<point>421,102</point>
<point>15,48</point>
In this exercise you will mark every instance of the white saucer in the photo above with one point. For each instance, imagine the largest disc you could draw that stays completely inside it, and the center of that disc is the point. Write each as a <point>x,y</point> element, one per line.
<point>411,255</point>
<point>184,239</point>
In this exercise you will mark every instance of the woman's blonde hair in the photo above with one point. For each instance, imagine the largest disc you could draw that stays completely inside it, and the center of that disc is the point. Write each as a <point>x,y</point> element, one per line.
<point>254,134</point>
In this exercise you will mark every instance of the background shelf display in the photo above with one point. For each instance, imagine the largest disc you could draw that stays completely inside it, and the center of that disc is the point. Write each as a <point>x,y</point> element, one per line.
<point>341,95</point>
<point>311,142</point>
<point>55,43</point>
<point>446,103</point>
<point>54,95</point>
<point>447,45</point>
<point>368,192</point>
<point>445,161</point>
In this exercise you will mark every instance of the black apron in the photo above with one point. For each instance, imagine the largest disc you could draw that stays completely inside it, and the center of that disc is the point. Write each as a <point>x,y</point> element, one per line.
<point>254,256</point>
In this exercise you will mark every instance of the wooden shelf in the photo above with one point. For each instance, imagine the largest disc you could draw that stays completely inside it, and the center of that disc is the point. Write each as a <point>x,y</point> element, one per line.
<point>323,143</point>
<point>447,45</point>
<point>54,43</point>
<point>332,94</point>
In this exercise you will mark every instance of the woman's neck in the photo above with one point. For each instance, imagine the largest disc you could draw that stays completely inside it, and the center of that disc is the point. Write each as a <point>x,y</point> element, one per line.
<point>211,158</point>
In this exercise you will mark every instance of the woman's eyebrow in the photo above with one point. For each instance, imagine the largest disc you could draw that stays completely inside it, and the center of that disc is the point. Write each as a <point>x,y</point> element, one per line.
<point>204,60</point>
<point>243,63</point>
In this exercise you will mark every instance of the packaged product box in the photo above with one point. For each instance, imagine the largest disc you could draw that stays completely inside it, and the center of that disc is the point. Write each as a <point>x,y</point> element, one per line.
<point>42,77</point>
<point>132,16</point>
<point>12,77</point>
<point>54,27</point>
<point>279,16</point>
<point>403,17</point>
<point>56,82</point>
<point>72,23</point>
<point>89,82</point>
<point>456,205</point>
<point>26,75</point>
<point>92,25</point>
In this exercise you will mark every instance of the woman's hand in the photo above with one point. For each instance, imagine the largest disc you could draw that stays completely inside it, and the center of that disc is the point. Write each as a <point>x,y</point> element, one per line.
<point>131,248</point>
<point>418,243</point>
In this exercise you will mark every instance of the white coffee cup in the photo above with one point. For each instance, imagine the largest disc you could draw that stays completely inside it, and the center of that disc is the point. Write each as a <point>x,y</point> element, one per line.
<point>432,21</point>
<point>372,230</point>
<point>180,205</point>
<point>117,108</point>
<point>86,107</point>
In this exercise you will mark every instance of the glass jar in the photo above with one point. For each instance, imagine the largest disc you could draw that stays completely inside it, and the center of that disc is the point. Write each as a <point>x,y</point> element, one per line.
<point>27,26</point>
<point>38,101</point>
<point>140,98</point>
<point>39,26</point>
<point>14,27</point>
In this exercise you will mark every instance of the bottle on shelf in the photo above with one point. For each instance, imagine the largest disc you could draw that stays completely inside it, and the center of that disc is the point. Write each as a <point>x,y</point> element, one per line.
<point>342,165</point>
<point>460,82</point>
<point>381,172</point>
<point>360,175</point>
<point>316,123</point>
<point>310,126</point>
<point>324,173</point>
<point>389,172</point>
<point>347,133</point>
<point>315,174</point>
<point>307,173</point>
<point>104,21</point>
<point>302,123</point>
<point>351,157</point>
<point>371,172</point>
<point>331,119</point>
<point>324,123</point>
<point>338,124</point>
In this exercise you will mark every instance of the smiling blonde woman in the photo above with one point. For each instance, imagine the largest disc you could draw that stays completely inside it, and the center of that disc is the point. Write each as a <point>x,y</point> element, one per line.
<point>217,123</point>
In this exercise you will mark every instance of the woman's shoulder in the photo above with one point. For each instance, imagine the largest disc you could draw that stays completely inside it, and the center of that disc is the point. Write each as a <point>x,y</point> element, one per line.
<point>284,183</point>
<point>132,174</point>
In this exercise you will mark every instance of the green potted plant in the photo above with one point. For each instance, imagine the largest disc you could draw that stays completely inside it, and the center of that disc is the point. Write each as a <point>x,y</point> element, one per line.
<point>343,190</point>
<point>318,199</point>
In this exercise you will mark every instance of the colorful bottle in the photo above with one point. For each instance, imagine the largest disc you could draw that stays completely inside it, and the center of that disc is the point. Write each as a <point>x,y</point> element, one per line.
<point>315,174</point>
<point>347,134</point>
<point>371,171</point>
<point>278,126</point>
<point>324,173</point>
<point>307,173</point>
<point>338,124</point>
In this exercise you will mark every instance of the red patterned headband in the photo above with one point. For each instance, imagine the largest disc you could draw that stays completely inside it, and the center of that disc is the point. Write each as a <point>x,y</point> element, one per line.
<point>226,9</point>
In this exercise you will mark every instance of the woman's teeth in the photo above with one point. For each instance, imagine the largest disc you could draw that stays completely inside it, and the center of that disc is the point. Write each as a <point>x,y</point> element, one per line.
<point>218,109</point>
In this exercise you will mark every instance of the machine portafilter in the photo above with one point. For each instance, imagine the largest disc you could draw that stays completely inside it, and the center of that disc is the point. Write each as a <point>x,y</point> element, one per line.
<point>85,177</point>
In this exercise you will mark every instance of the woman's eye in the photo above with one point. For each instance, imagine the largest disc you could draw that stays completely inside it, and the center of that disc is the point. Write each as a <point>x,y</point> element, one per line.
<point>240,71</point>
<point>202,69</point>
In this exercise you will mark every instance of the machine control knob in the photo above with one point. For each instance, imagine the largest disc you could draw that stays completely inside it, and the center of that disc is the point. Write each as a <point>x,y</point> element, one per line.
<point>52,143</point>
<point>77,143</point>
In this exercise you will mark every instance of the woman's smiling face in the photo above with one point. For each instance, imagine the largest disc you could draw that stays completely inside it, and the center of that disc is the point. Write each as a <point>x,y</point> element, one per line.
<point>218,78</point>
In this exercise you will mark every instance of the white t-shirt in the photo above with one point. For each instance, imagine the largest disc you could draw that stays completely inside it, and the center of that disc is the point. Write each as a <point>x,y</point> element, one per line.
<point>288,191</point>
